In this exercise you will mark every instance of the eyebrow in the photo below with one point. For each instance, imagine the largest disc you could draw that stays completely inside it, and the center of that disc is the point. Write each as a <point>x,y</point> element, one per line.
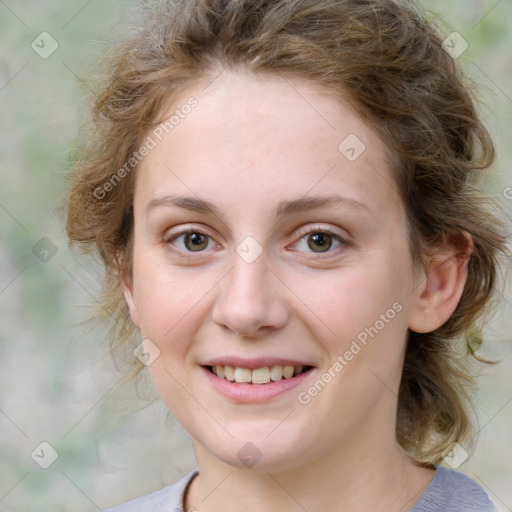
<point>312,203</point>
<point>283,209</point>
<point>193,204</point>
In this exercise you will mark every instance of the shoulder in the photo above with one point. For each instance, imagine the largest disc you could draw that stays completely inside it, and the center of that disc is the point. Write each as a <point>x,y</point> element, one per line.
<point>451,491</point>
<point>169,498</point>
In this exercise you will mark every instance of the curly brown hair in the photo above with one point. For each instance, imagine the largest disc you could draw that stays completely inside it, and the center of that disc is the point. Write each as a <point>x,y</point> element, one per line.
<point>387,59</point>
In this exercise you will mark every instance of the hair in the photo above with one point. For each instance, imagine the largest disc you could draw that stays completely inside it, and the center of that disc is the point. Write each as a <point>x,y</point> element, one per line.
<point>387,59</point>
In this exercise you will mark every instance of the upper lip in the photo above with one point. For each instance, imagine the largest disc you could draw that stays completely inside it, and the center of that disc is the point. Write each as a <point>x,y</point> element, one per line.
<point>258,362</point>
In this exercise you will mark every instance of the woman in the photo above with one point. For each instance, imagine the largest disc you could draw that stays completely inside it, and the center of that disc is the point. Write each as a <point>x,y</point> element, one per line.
<point>281,194</point>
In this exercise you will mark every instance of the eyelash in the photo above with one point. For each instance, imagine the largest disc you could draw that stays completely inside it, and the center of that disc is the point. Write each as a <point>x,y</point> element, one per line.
<point>186,254</point>
<point>324,231</point>
<point>310,231</point>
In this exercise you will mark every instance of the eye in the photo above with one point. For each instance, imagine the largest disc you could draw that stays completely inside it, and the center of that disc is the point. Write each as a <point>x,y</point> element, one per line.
<point>320,241</point>
<point>190,241</point>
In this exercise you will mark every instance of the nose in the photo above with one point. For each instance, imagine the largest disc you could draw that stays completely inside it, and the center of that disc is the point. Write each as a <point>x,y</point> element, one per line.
<point>250,301</point>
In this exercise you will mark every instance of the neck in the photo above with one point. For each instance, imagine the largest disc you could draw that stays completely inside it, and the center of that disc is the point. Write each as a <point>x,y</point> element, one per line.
<point>353,477</point>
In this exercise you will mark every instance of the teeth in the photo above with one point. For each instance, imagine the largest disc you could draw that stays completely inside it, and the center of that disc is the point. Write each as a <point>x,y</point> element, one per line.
<point>242,375</point>
<point>257,376</point>
<point>288,372</point>
<point>261,376</point>
<point>229,373</point>
<point>276,372</point>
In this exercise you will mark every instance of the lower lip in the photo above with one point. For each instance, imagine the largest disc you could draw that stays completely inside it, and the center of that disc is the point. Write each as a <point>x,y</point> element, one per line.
<point>252,393</point>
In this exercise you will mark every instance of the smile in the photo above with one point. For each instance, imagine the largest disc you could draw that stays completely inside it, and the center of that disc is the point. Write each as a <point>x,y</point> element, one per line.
<point>263,375</point>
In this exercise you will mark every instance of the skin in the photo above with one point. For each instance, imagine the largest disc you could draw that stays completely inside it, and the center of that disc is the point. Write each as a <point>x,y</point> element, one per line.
<point>250,143</point>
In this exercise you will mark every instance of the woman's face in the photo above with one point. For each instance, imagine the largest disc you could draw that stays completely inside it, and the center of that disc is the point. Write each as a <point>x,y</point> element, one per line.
<point>270,239</point>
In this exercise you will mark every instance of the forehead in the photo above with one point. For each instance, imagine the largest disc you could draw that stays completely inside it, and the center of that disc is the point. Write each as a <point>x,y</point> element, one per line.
<point>264,138</point>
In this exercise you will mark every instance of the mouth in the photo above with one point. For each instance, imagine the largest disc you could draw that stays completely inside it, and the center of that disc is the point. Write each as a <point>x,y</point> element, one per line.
<point>257,376</point>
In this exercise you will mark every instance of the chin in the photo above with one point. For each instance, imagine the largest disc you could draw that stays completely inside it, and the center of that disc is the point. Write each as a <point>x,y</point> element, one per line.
<point>260,452</point>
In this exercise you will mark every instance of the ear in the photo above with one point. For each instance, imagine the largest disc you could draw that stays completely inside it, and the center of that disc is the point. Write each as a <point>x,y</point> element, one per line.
<point>441,286</point>
<point>127,286</point>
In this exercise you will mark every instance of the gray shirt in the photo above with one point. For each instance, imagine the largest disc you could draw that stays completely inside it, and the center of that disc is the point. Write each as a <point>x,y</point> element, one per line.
<point>449,491</point>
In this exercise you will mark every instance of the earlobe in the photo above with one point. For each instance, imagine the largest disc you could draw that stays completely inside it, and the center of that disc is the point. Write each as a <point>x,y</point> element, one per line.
<point>440,290</point>
<point>127,286</point>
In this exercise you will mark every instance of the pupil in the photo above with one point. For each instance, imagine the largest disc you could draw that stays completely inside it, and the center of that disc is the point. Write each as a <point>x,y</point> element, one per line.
<point>320,242</point>
<point>197,241</point>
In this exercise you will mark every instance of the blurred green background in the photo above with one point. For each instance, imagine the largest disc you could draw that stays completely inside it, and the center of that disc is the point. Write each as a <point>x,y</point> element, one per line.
<point>56,386</point>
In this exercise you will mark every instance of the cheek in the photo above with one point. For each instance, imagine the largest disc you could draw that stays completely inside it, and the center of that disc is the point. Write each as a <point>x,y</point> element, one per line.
<point>172,304</point>
<point>354,298</point>
<point>168,298</point>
